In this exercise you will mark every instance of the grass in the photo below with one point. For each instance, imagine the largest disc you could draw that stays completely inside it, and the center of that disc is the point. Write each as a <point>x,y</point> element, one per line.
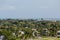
<point>46,38</point>
<point>50,38</point>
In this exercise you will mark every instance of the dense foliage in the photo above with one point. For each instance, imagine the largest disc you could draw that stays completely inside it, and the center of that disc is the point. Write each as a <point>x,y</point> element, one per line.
<point>11,28</point>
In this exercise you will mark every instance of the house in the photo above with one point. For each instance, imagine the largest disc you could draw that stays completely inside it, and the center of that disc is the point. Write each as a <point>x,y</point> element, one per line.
<point>45,32</point>
<point>20,33</point>
<point>58,33</point>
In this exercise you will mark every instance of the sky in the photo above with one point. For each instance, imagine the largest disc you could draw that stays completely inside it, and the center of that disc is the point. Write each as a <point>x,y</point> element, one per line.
<point>26,9</point>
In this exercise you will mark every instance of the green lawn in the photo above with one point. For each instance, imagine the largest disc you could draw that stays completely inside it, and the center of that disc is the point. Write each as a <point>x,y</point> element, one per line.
<point>51,38</point>
<point>47,38</point>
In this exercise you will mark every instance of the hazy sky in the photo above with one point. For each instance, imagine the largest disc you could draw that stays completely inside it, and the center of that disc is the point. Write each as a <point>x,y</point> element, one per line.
<point>29,9</point>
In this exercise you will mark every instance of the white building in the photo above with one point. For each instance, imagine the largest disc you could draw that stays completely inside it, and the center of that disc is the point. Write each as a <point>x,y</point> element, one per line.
<point>58,33</point>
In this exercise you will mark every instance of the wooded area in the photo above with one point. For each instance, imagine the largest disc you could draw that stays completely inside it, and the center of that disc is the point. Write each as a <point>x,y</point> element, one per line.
<point>14,29</point>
